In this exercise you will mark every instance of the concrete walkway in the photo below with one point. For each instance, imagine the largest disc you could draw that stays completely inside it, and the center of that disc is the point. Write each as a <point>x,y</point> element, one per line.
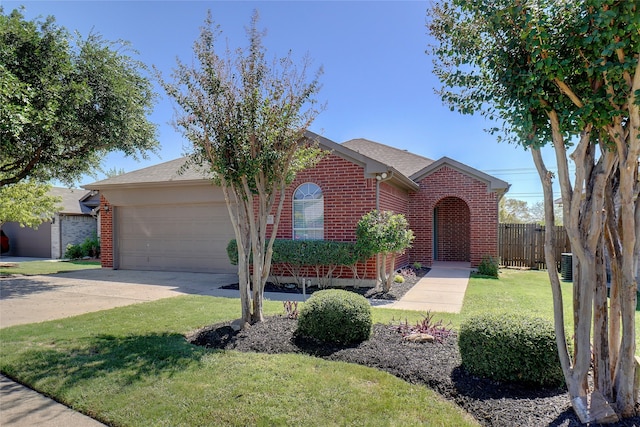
<point>441,289</point>
<point>39,298</point>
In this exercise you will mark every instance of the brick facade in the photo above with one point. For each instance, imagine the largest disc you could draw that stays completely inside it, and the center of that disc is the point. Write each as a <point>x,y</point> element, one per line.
<point>347,195</point>
<point>75,230</point>
<point>106,233</point>
<point>449,190</point>
<point>466,226</point>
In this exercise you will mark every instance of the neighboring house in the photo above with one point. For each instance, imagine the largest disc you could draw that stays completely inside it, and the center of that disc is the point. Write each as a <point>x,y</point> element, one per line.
<point>158,219</point>
<point>72,225</point>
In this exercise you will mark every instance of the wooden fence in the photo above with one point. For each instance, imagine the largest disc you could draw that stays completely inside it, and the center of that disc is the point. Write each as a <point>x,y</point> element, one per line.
<point>522,245</point>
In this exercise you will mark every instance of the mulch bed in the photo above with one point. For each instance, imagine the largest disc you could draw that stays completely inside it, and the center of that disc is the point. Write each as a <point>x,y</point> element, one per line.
<point>435,365</point>
<point>395,293</point>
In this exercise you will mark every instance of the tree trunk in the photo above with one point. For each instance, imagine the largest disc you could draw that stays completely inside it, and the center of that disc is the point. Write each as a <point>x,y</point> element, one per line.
<point>601,364</point>
<point>628,148</point>
<point>612,243</point>
<point>550,259</point>
<point>381,261</point>
<point>582,277</point>
<point>390,272</point>
<point>625,369</point>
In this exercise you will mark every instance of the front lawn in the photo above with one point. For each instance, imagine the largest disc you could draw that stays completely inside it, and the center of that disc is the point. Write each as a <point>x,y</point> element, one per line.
<point>33,268</point>
<point>132,366</point>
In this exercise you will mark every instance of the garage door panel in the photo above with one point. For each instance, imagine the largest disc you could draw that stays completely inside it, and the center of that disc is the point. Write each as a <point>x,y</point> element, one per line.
<point>174,238</point>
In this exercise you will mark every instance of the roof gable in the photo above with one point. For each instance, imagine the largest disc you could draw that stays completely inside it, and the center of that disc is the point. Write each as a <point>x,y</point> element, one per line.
<point>72,200</point>
<point>405,162</point>
<point>494,184</point>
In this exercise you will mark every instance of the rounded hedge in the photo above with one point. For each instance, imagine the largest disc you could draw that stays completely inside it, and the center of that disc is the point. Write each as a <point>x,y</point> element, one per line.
<point>335,316</point>
<point>510,348</point>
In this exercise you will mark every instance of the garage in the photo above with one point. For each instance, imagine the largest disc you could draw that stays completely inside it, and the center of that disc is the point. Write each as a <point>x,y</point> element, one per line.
<point>28,242</point>
<point>186,237</point>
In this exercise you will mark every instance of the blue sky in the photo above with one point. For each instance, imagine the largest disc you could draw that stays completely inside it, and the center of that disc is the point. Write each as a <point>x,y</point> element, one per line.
<point>377,81</point>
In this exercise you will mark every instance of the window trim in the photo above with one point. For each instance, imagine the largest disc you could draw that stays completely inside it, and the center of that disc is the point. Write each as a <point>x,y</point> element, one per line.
<point>297,202</point>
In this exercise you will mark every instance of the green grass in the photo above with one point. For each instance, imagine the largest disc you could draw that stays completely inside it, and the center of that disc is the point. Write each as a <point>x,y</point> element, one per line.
<point>131,365</point>
<point>32,268</point>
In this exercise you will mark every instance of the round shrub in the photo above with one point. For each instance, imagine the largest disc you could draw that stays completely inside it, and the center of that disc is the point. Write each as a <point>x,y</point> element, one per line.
<point>510,348</point>
<point>335,316</point>
<point>398,278</point>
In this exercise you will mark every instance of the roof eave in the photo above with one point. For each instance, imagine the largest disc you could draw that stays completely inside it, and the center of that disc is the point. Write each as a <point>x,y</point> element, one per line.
<point>178,183</point>
<point>494,184</point>
<point>371,166</point>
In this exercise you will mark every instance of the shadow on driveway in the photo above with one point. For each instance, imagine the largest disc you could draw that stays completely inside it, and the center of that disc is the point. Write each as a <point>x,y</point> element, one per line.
<point>23,286</point>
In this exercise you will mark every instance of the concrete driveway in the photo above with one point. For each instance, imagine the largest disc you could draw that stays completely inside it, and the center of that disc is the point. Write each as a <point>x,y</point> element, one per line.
<point>29,299</point>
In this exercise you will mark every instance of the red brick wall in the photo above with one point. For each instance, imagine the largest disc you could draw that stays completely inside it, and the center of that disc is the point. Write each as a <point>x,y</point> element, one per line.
<point>106,233</point>
<point>483,214</point>
<point>397,201</point>
<point>347,194</point>
<point>452,230</point>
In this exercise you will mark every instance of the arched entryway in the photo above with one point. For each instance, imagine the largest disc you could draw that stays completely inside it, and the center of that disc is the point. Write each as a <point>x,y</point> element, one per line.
<point>451,230</point>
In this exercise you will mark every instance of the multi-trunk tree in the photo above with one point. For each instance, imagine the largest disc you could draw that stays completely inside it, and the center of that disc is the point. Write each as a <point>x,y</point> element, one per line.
<point>247,118</point>
<point>565,73</point>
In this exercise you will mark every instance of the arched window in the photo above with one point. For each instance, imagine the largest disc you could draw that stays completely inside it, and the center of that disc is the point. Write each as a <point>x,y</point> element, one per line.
<point>308,212</point>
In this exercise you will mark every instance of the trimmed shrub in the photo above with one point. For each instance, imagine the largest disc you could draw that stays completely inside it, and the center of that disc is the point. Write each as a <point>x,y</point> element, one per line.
<point>399,278</point>
<point>488,266</point>
<point>510,348</point>
<point>306,252</point>
<point>73,252</point>
<point>91,247</point>
<point>336,316</point>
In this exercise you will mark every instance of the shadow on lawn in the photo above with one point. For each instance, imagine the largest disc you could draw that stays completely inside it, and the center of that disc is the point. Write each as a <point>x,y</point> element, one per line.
<point>128,359</point>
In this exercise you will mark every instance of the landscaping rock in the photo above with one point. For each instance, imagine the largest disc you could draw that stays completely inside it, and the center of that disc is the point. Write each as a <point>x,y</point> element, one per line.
<point>419,338</point>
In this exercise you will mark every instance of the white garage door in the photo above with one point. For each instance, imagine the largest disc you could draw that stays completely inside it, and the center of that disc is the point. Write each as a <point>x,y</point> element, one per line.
<point>174,238</point>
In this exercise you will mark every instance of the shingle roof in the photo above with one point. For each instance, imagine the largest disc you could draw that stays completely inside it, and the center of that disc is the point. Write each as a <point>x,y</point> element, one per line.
<point>164,172</point>
<point>402,166</point>
<point>71,197</point>
<point>405,162</point>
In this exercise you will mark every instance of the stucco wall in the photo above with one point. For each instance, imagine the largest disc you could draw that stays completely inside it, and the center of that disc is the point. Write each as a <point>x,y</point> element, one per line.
<point>28,242</point>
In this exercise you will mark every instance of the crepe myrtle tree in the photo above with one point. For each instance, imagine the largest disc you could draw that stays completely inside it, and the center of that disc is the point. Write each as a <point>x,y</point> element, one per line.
<point>246,118</point>
<point>66,101</point>
<point>385,235</point>
<point>565,73</point>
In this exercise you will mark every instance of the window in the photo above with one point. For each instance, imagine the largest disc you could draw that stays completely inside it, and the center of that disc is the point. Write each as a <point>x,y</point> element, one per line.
<point>308,212</point>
